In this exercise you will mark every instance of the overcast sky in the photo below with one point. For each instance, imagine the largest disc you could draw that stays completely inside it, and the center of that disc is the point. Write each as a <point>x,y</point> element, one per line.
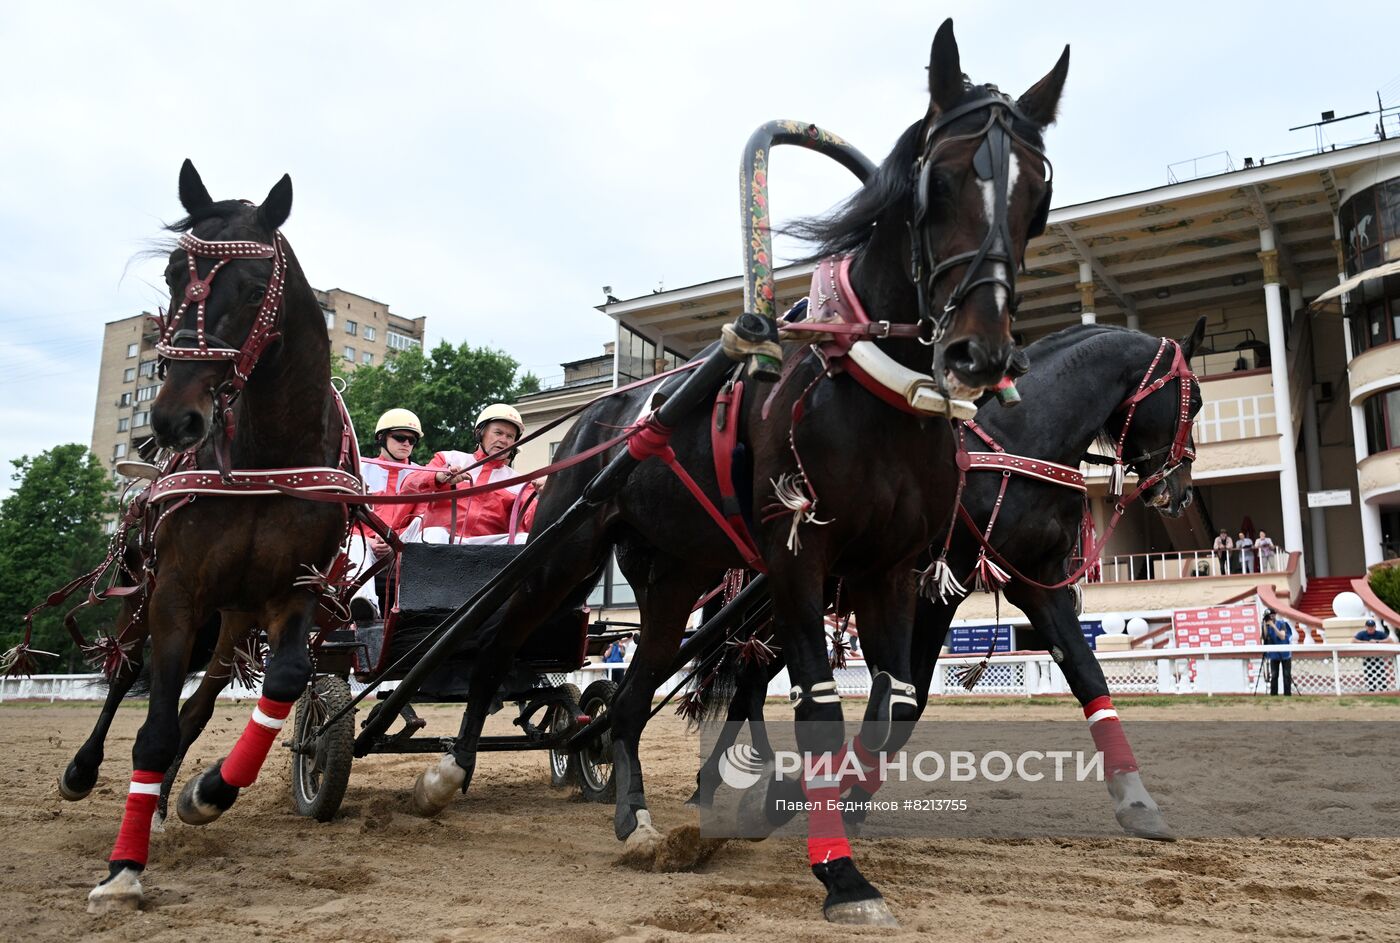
<point>491,166</point>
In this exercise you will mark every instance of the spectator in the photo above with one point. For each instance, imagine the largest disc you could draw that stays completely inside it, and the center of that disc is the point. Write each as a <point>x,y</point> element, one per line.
<point>1246,548</point>
<point>629,647</point>
<point>1266,549</point>
<point>1222,546</point>
<point>1374,669</point>
<point>615,656</point>
<point>1279,632</point>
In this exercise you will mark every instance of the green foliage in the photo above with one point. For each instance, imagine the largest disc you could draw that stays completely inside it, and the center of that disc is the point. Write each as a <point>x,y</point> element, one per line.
<point>447,388</point>
<point>51,530</point>
<point>1385,583</point>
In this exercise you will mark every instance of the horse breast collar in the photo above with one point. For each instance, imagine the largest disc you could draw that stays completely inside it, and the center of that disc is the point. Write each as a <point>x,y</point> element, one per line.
<point>844,335</point>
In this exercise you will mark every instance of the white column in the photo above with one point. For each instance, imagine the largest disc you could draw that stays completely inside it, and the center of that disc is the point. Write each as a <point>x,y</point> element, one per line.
<point>1283,407</point>
<point>1370,514</point>
<point>1086,294</point>
<point>1132,320</point>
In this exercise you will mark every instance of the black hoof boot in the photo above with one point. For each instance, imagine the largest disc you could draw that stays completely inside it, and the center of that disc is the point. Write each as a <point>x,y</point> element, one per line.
<point>76,782</point>
<point>206,797</point>
<point>850,898</point>
<point>879,714</point>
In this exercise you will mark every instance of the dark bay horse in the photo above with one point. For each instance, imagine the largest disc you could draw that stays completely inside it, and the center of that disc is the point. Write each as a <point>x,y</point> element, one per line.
<point>1078,380</point>
<point>244,323</point>
<point>877,483</point>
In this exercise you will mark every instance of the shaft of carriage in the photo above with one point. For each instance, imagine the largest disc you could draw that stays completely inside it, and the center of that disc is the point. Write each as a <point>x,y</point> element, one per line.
<point>699,388</point>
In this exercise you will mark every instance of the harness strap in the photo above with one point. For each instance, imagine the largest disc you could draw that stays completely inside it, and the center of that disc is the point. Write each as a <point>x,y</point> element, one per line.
<point>724,438</point>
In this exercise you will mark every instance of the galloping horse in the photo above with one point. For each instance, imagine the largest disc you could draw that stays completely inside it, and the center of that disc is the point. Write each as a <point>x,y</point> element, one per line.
<point>239,302</point>
<point>1079,381</point>
<point>844,483</point>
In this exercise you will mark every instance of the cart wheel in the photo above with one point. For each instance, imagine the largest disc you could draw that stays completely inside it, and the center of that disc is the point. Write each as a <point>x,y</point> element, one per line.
<point>594,760</point>
<point>561,718</point>
<point>321,771</point>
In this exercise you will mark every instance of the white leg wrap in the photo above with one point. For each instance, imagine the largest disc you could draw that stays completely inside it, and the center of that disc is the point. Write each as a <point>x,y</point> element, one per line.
<point>823,692</point>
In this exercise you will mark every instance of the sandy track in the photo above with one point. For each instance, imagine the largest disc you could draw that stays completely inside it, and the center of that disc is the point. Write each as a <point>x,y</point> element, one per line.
<point>518,860</point>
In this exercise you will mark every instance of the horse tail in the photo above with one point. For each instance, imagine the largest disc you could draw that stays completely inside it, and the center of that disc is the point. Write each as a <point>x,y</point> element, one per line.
<point>743,658</point>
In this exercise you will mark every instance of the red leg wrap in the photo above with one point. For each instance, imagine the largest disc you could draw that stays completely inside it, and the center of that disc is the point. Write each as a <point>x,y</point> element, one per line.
<point>1109,737</point>
<point>871,776</point>
<point>134,838</point>
<point>826,831</point>
<point>241,767</point>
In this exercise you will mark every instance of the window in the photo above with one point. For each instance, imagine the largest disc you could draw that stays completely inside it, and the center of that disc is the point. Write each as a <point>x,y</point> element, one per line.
<point>351,327</point>
<point>131,350</point>
<point>1382,419</point>
<point>123,424</point>
<point>119,450</point>
<point>612,589</point>
<point>400,341</point>
<point>128,374</point>
<point>330,318</point>
<point>147,393</point>
<point>369,333</point>
<point>367,357</point>
<point>148,368</point>
<point>140,419</point>
<point>350,354</point>
<point>124,400</point>
<point>637,357</point>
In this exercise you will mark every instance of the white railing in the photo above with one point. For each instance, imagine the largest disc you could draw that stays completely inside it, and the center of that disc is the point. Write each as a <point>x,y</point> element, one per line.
<point>1235,417</point>
<point>1181,565</point>
<point>1328,669</point>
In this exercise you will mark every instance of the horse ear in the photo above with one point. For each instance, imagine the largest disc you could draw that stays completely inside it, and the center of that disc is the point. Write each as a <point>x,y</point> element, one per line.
<point>945,74</point>
<point>278,205</point>
<point>1042,99</point>
<point>193,196</point>
<point>1192,342</point>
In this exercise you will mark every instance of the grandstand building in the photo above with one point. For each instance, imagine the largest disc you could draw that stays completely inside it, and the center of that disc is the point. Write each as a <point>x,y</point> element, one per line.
<point>1299,435</point>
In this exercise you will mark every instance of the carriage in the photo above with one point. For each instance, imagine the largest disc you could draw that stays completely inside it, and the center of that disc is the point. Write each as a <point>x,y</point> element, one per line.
<point>428,582</point>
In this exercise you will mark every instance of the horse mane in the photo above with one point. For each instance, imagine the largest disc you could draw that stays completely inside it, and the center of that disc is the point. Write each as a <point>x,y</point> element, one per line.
<point>851,224</point>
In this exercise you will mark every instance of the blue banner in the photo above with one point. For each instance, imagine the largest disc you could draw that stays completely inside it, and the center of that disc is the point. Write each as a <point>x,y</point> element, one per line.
<point>974,639</point>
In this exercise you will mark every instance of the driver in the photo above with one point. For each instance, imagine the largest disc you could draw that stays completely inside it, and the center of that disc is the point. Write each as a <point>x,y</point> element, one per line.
<point>491,517</point>
<point>396,433</point>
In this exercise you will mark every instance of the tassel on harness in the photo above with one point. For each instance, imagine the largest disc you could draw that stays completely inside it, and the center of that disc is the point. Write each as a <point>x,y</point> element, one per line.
<point>937,582</point>
<point>792,493</point>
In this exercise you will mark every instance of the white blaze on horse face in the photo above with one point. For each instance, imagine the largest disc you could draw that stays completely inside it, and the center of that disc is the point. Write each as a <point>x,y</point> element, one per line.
<point>989,212</point>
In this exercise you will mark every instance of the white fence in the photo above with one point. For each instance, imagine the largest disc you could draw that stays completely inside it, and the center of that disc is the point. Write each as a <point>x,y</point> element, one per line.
<point>1183,565</point>
<point>1317,669</point>
<point>1233,418</point>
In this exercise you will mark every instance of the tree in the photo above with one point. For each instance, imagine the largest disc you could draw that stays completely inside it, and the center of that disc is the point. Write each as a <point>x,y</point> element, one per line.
<point>51,530</point>
<point>446,388</point>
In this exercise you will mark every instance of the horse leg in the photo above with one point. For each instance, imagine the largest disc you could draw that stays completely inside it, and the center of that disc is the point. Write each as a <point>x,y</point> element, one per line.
<point>213,792</point>
<point>746,705</point>
<point>664,604</point>
<point>233,628</point>
<point>156,743</point>
<point>1052,613</point>
<point>797,603</point>
<point>77,780</point>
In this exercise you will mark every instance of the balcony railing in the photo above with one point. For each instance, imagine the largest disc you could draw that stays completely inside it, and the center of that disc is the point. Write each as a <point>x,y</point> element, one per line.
<point>1181,565</point>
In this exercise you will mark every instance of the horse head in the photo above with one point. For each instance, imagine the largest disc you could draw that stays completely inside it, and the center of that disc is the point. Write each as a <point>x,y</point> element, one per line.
<point>981,193</point>
<point>1155,431</point>
<point>217,326</point>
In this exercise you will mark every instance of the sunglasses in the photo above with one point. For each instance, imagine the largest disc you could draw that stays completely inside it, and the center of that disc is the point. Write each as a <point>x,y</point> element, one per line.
<point>406,439</point>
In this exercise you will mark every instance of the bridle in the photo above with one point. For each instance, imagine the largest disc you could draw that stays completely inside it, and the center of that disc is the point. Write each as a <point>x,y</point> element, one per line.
<point>1179,451</point>
<point>198,344</point>
<point>992,162</point>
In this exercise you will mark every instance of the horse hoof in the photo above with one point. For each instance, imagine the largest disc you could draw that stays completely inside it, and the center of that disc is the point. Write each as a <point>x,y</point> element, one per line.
<point>863,913</point>
<point>157,823</point>
<point>701,799</point>
<point>192,809</point>
<point>436,785</point>
<point>70,793</point>
<point>120,892</point>
<point>1144,821</point>
<point>645,839</point>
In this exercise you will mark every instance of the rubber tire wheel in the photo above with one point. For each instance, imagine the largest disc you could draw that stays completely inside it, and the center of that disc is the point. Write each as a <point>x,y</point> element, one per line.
<point>561,770</point>
<point>319,781</point>
<point>594,761</point>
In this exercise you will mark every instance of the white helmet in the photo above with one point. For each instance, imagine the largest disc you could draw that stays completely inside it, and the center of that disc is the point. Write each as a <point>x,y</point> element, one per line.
<point>398,419</point>
<point>504,412</point>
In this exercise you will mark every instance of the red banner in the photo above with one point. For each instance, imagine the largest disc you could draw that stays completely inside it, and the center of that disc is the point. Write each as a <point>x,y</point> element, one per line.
<point>1216,625</point>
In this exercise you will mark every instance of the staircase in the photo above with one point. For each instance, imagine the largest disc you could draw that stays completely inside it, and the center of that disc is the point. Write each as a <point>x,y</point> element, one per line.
<point>1317,598</point>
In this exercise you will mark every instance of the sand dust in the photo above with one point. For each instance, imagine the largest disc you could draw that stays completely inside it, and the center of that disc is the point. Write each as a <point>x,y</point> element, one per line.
<point>518,860</point>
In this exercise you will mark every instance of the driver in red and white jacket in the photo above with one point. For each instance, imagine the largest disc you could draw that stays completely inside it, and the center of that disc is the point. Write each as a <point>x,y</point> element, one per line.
<point>491,517</point>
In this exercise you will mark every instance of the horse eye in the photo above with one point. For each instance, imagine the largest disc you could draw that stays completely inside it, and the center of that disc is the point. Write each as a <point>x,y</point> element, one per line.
<point>257,294</point>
